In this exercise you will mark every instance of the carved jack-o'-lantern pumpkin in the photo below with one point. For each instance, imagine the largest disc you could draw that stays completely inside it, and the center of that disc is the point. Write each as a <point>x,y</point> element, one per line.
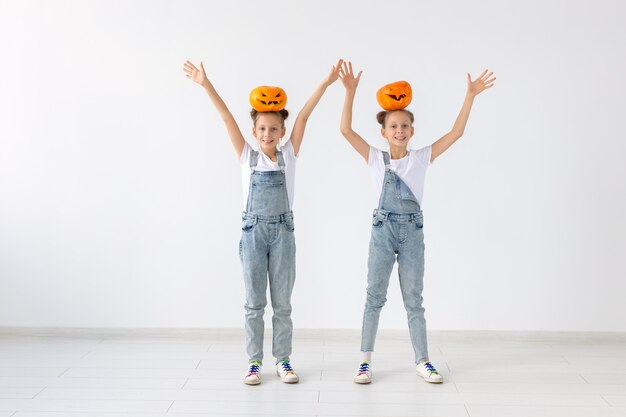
<point>395,96</point>
<point>265,98</point>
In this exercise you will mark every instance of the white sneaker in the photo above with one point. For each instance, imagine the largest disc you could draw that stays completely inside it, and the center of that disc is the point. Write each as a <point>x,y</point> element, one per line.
<point>364,374</point>
<point>286,373</point>
<point>428,372</point>
<point>252,376</point>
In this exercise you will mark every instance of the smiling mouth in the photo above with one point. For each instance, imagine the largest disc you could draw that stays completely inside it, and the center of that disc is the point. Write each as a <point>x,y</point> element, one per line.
<point>397,98</point>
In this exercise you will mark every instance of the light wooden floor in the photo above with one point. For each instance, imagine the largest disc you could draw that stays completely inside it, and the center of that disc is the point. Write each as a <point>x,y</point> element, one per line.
<point>89,373</point>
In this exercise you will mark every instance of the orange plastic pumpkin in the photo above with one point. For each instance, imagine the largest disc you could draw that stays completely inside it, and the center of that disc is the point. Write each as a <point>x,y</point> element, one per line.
<point>395,96</point>
<point>265,98</point>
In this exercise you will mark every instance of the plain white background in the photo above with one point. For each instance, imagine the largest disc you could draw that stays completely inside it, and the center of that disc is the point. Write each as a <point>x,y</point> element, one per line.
<point>120,194</point>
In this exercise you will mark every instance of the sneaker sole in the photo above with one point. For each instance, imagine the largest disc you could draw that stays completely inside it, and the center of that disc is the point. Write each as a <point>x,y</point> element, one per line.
<point>288,381</point>
<point>248,382</point>
<point>429,381</point>
<point>362,381</point>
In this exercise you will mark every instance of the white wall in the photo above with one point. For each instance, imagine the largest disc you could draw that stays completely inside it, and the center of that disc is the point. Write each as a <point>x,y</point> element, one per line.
<point>120,194</point>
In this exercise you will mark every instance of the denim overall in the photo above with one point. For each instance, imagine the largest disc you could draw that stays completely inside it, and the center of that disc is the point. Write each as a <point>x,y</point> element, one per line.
<point>396,231</point>
<point>267,249</point>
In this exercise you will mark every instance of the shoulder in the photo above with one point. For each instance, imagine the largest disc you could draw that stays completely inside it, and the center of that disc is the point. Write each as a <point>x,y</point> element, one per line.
<point>245,154</point>
<point>375,157</point>
<point>288,151</point>
<point>422,155</point>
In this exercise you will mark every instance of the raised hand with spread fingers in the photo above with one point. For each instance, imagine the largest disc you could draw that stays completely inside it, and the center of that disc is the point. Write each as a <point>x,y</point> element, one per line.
<point>198,75</point>
<point>475,87</point>
<point>297,134</point>
<point>350,82</point>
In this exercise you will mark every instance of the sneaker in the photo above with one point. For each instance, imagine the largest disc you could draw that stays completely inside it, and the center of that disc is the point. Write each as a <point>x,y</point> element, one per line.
<point>364,374</point>
<point>286,373</point>
<point>428,372</point>
<point>252,376</point>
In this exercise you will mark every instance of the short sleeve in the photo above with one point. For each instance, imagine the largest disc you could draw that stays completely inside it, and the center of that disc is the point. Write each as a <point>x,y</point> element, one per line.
<point>288,151</point>
<point>423,155</point>
<point>245,154</point>
<point>375,158</point>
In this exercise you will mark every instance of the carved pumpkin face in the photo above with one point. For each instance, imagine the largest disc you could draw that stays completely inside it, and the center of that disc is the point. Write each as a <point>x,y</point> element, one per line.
<point>395,96</point>
<point>265,98</point>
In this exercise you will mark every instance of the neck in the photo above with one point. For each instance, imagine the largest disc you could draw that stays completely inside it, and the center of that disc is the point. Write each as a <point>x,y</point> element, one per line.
<point>270,152</point>
<point>397,152</point>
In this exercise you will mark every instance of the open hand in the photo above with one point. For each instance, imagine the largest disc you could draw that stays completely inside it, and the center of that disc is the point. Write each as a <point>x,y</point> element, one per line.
<point>483,82</point>
<point>334,73</point>
<point>347,76</point>
<point>197,75</point>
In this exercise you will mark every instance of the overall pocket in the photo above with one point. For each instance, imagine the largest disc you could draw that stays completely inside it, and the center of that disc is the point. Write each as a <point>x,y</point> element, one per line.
<point>419,222</point>
<point>247,225</point>
<point>377,220</point>
<point>289,224</point>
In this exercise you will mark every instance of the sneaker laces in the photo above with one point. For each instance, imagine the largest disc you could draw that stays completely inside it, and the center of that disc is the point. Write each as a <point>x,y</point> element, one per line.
<point>364,368</point>
<point>286,366</point>
<point>253,368</point>
<point>430,368</point>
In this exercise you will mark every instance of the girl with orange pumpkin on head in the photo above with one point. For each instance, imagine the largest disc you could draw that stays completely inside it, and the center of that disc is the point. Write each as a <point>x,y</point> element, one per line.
<point>267,245</point>
<point>397,225</point>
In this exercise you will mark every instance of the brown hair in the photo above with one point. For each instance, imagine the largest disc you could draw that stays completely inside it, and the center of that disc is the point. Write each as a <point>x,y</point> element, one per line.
<point>283,114</point>
<point>381,116</point>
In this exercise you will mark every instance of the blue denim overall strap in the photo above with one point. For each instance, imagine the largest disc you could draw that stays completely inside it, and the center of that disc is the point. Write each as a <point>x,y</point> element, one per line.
<point>267,252</point>
<point>396,234</point>
<point>267,193</point>
<point>396,197</point>
<point>254,160</point>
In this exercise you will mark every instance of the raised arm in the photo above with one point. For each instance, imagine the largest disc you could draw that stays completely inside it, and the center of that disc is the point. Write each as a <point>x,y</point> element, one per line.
<point>199,76</point>
<point>350,82</point>
<point>483,82</point>
<point>297,134</point>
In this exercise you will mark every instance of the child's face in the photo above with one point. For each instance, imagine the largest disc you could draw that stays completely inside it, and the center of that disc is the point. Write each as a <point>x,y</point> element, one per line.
<point>398,129</point>
<point>268,130</point>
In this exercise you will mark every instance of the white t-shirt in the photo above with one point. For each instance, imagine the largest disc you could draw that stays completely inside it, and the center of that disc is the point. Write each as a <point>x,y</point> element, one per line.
<point>411,169</point>
<point>266,164</point>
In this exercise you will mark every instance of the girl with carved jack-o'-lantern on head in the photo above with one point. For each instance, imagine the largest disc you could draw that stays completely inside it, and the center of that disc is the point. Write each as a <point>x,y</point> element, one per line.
<point>267,246</point>
<point>397,225</point>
